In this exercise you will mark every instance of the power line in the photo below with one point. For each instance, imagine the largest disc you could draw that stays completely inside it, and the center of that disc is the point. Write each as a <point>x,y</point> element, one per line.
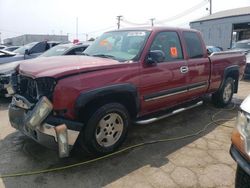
<point>100,30</point>
<point>184,13</point>
<point>133,23</point>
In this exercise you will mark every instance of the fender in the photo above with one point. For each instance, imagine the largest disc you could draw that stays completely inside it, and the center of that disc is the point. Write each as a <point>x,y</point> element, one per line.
<point>227,71</point>
<point>88,96</point>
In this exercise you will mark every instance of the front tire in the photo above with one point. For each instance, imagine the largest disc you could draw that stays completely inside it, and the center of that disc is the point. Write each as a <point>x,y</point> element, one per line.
<point>242,179</point>
<point>106,129</point>
<point>224,96</point>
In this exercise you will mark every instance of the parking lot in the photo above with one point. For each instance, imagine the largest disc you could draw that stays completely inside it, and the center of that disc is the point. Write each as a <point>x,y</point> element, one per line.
<point>198,161</point>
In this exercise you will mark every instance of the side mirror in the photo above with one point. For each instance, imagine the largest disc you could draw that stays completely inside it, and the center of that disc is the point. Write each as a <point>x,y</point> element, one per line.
<point>26,52</point>
<point>208,52</point>
<point>155,56</point>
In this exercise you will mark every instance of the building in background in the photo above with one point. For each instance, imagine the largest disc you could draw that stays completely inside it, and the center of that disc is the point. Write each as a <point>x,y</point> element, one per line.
<point>224,28</point>
<point>28,38</point>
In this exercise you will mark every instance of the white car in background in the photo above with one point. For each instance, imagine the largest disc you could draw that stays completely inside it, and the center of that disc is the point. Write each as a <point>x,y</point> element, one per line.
<point>244,45</point>
<point>240,148</point>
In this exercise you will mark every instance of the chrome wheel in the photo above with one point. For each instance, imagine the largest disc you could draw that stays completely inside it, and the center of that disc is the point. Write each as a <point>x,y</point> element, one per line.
<point>109,129</point>
<point>227,92</point>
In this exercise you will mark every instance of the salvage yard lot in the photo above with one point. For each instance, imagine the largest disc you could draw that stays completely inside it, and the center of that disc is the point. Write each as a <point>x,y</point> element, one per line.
<point>200,161</point>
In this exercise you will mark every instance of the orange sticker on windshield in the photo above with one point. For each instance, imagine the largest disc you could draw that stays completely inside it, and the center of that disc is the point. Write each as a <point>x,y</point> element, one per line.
<point>173,52</point>
<point>104,43</point>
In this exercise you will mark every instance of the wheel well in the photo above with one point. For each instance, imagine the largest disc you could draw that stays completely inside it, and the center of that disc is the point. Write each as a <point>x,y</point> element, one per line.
<point>126,99</point>
<point>234,74</point>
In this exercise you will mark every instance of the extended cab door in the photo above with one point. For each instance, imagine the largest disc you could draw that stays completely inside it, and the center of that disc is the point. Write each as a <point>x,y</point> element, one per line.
<point>198,64</point>
<point>163,84</point>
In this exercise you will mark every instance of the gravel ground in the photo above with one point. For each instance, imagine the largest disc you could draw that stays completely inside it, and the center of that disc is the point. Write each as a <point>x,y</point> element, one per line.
<point>199,161</point>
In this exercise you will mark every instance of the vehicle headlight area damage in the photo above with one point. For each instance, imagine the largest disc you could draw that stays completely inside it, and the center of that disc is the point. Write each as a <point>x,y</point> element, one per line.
<point>243,126</point>
<point>31,112</point>
<point>5,83</point>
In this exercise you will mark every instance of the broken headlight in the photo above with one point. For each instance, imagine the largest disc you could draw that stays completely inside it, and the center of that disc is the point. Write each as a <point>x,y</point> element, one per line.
<point>39,113</point>
<point>243,126</point>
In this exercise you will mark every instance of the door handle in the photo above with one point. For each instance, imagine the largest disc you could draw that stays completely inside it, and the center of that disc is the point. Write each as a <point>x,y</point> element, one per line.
<point>184,69</point>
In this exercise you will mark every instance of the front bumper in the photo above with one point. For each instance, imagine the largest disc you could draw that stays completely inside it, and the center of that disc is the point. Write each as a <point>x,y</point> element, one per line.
<point>40,126</point>
<point>240,159</point>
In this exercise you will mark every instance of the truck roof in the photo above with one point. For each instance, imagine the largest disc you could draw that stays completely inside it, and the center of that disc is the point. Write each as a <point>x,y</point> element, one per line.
<point>156,28</point>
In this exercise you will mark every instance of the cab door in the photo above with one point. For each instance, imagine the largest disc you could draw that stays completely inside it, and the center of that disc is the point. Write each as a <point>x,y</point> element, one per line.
<point>198,64</point>
<point>164,83</point>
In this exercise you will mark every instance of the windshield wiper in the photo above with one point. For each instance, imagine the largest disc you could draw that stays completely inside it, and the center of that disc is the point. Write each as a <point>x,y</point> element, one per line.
<point>104,55</point>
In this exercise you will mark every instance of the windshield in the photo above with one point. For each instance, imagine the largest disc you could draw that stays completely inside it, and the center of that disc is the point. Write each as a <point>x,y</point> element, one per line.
<point>22,49</point>
<point>242,45</point>
<point>55,51</point>
<point>119,45</point>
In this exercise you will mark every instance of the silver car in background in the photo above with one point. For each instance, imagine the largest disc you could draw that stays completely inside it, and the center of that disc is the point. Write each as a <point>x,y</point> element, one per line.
<point>244,45</point>
<point>10,60</point>
<point>66,49</point>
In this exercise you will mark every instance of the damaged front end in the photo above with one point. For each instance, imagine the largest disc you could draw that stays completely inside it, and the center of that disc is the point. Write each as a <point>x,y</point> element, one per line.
<point>31,112</point>
<point>4,84</point>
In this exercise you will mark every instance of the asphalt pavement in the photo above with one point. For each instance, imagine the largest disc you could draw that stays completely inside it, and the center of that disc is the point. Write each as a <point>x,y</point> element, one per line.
<point>198,161</point>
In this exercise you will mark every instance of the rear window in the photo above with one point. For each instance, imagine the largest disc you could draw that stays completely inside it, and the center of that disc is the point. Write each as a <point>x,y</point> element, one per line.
<point>193,44</point>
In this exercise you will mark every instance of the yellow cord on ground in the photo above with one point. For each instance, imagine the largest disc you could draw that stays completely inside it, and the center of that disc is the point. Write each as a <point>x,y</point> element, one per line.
<point>120,151</point>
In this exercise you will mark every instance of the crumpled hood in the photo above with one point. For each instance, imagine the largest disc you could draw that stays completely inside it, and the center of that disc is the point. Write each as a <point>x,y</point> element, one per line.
<point>60,66</point>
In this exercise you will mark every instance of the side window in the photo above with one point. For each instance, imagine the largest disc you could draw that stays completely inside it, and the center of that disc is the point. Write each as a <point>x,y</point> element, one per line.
<point>76,51</point>
<point>38,48</point>
<point>79,50</point>
<point>193,44</point>
<point>169,43</point>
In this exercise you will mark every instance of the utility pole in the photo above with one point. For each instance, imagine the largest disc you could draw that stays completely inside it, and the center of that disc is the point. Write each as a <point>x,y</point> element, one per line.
<point>152,21</point>
<point>61,34</point>
<point>76,27</point>
<point>119,21</point>
<point>210,9</point>
<point>68,36</point>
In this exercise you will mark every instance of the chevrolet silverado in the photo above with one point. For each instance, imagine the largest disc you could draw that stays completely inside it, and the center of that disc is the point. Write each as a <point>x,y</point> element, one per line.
<point>126,76</point>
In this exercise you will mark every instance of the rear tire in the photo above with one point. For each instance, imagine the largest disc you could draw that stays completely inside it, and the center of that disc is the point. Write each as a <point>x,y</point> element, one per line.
<point>224,96</point>
<point>106,129</point>
<point>242,179</point>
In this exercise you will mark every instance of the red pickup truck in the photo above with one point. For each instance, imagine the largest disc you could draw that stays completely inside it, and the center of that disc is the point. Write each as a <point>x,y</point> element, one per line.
<point>131,75</point>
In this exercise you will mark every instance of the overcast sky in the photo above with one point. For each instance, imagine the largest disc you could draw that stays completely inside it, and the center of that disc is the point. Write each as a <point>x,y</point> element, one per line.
<point>19,17</point>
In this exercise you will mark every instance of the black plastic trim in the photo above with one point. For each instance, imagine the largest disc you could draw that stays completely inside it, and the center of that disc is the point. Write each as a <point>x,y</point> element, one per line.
<point>174,91</point>
<point>227,71</point>
<point>86,97</point>
<point>193,86</point>
<point>169,110</point>
<point>71,125</point>
<point>166,92</point>
<point>241,161</point>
